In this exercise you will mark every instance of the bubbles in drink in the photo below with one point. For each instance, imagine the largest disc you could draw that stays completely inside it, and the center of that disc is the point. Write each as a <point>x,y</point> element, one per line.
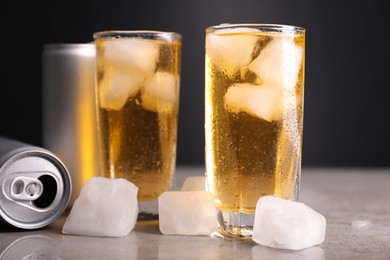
<point>138,88</point>
<point>254,99</point>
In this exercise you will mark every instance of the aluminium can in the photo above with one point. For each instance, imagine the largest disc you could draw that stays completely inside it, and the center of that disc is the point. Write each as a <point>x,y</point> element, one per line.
<point>68,109</point>
<point>35,186</point>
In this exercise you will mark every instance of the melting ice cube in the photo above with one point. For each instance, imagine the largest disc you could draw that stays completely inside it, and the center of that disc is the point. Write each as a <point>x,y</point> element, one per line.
<point>187,213</point>
<point>129,62</point>
<point>105,207</point>
<point>134,54</point>
<point>160,92</point>
<point>287,224</point>
<point>259,101</point>
<point>117,86</point>
<point>194,183</point>
<point>278,63</point>
<point>231,51</point>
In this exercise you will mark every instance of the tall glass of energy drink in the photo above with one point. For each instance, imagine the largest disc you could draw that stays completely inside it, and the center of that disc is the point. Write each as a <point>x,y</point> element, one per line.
<point>137,107</point>
<point>254,93</point>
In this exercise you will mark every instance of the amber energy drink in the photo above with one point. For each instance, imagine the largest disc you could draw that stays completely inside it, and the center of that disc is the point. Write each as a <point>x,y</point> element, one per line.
<point>253,117</point>
<point>35,186</point>
<point>137,106</point>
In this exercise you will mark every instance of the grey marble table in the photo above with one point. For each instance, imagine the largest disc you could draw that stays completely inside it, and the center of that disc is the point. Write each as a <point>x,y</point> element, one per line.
<point>354,201</point>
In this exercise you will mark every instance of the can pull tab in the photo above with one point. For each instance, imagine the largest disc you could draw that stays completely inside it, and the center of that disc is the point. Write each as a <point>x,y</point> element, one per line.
<point>25,188</point>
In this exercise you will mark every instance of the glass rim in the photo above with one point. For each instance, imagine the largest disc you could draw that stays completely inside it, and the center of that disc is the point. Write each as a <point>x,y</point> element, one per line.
<point>140,34</point>
<point>261,27</point>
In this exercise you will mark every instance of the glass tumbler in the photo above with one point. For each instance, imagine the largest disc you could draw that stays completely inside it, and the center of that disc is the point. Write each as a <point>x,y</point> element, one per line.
<point>254,91</point>
<point>137,101</point>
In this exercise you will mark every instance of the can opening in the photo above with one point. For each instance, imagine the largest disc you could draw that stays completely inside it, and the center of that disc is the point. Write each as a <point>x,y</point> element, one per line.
<point>49,192</point>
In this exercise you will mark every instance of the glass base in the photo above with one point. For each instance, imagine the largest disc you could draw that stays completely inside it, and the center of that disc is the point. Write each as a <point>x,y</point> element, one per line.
<point>235,225</point>
<point>148,210</point>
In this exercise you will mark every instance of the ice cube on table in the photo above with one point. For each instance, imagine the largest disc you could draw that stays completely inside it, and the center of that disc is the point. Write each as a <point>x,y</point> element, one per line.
<point>231,51</point>
<point>287,224</point>
<point>187,213</point>
<point>117,86</point>
<point>105,207</point>
<point>194,183</point>
<point>256,100</point>
<point>132,53</point>
<point>278,63</point>
<point>160,92</point>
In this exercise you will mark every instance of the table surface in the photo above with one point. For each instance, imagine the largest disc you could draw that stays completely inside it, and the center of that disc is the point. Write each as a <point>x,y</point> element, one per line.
<point>354,201</point>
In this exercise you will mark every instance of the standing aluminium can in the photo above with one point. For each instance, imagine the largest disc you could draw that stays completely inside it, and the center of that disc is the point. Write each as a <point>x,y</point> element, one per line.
<point>68,109</point>
<point>35,186</point>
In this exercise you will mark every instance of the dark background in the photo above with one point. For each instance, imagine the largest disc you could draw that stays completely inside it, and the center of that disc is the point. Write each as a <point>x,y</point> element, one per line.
<point>347,87</point>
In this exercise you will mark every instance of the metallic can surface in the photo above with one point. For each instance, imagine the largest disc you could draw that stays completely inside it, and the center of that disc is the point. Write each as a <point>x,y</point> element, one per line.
<point>35,186</point>
<point>69,120</point>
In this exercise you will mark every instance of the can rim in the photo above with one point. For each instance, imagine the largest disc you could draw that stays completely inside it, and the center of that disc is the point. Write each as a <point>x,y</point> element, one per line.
<point>59,209</point>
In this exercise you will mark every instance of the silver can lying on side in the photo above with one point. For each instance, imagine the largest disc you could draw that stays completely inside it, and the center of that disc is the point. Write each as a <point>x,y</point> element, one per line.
<point>35,186</point>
